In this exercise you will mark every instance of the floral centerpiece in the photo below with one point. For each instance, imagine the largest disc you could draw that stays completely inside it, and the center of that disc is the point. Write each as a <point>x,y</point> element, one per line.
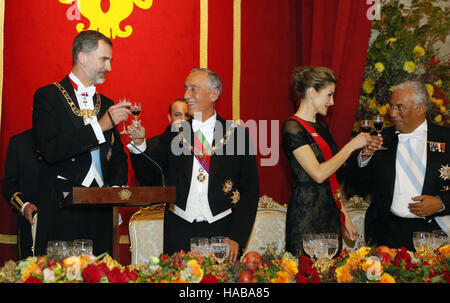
<point>367,264</point>
<point>403,46</point>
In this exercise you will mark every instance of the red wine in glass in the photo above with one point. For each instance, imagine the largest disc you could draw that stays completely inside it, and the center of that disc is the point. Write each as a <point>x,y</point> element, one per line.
<point>366,127</point>
<point>378,123</point>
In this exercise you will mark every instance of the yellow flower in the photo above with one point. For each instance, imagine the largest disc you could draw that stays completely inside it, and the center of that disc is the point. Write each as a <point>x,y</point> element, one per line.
<point>363,251</point>
<point>382,110</point>
<point>439,102</point>
<point>379,67</point>
<point>391,89</point>
<point>391,40</point>
<point>373,104</point>
<point>289,266</point>
<point>353,261</point>
<point>443,109</point>
<point>282,277</point>
<point>196,269</point>
<point>438,118</point>
<point>438,83</point>
<point>368,86</point>
<point>419,51</point>
<point>343,274</point>
<point>430,89</point>
<point>32,268</point>
<point>409,67</point>
<point>387,278</point>
<point>445,250</point>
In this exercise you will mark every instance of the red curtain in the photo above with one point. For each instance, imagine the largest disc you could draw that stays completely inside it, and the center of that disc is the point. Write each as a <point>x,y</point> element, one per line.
<point>336,34</point>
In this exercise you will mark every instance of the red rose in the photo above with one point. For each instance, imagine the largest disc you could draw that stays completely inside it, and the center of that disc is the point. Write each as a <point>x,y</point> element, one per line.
<point>402,255</point>
<point>447,276</point>
<point>304,262</point>
<point>131,275</point>
<point>209,279</point>
<point>300,278</point>
<point>32,279</point>
<point>93,273</point>
<point>116,276</point>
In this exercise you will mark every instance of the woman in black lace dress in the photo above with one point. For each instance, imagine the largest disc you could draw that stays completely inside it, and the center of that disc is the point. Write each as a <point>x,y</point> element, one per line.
<point>312,207</point>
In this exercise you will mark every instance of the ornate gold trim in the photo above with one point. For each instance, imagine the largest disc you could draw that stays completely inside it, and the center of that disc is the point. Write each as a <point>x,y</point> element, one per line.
<point>125,194</point>
<point>266,202</point>
<point>203,33</point>
<point>85,113</point>
<point>8,239</point>
<point>236,88</point>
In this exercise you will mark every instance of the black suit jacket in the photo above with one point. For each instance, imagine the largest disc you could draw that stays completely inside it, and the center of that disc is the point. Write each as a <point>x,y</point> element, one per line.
<point>235,161</point>
<point>65,143</point>
<point>21,178</point>
<point>380,172</point>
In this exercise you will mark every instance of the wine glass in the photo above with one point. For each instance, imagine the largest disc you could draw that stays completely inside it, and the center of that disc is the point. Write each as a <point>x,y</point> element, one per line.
<point>378,123</point>
<point>136,110</point>
<point>333,244</point>
<point>422,239</point>
<point>220,247</point>
<point>366,127</point>
<point>124,130</point>
<point>82,246</point>
<point>439,238</point>
<point>200,245</point>
<point>321,247</point>
<point>308,244</point>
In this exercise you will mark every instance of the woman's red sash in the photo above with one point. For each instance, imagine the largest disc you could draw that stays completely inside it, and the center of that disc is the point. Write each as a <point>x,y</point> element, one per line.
<point>327,154</point>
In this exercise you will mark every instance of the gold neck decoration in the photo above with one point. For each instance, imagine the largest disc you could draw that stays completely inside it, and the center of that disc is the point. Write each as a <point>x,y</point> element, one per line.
<point>84,113</point>
<point>221,143</point>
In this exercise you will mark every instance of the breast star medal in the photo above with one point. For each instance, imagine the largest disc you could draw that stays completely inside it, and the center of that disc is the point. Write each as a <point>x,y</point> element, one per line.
<point>445,172</point>
<point>201,177</point>
<point>227,186</point>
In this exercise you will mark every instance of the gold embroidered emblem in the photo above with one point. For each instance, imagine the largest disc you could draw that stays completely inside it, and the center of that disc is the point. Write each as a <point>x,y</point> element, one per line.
<point>201,177</point>
<point>227,186</point>
<point>109,22</point>
<point>445,172</point>
<point>125,194</point>
<point>236,197</point>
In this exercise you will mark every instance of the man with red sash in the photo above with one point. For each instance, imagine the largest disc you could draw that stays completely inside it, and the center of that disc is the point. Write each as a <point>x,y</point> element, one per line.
<point>213,166</point>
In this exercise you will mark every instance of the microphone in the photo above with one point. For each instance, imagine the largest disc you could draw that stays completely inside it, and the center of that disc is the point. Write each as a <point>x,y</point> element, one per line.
<point>142,153</point>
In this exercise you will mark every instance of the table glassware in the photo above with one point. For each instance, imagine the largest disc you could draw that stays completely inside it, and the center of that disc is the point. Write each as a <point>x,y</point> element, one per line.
<point>59,250</point>
<point>220,247</point>
<point>124,130</point>
<point>308,244</point>
<point>333,244</point>
<point>422,239</point>
<point>366,127</point>
<point>200,245</point>
<point>439,238</point>
<point>321,246</point>
<point>136,108</point>
<point>82,246</point>
<point>378,124</point>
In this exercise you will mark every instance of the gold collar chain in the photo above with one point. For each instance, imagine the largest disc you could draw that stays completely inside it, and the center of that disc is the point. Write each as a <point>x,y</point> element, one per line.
<point>222,141</point>
<point>85,113</point>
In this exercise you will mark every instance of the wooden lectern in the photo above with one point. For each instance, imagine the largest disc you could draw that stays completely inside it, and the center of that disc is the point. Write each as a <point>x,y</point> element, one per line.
<point>119,197</point>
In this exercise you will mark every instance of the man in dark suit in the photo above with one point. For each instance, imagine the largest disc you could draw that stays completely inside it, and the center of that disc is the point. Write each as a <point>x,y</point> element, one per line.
<point>20,187</point>
<point>73,127</point>
<point>213,166</point>
<point>411,177</point>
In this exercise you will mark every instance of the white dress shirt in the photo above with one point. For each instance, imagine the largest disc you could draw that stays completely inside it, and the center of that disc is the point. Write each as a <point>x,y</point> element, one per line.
<point>85,98</point>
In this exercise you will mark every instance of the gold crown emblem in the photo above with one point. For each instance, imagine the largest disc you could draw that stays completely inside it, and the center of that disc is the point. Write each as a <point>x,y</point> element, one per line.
<point>125,194</point>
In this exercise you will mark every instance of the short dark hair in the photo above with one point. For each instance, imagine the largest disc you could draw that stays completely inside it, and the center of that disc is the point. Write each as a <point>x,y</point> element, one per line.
<point>87,41</point>
<point>176,100</point>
